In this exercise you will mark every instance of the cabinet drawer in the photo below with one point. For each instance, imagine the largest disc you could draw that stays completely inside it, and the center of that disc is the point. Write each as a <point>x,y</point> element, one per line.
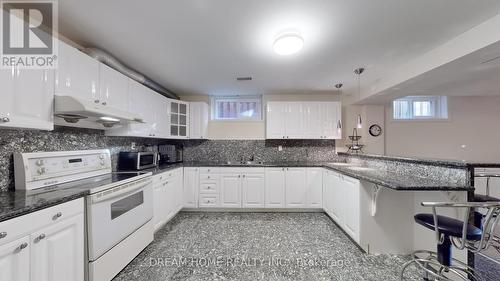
<point>209,177</point>
<point>208,188</point>
<point>208,200</point>
<point>17,227</point>
<point>166,176</point>
<point>209,170</point>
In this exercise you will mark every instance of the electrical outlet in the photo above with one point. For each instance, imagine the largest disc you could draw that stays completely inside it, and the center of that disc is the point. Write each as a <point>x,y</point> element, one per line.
<point>280,148</point>
<point>132,146</point>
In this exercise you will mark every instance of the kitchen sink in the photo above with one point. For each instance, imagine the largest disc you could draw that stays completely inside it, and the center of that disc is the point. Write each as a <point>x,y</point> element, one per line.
<point>244,163</point>
<point>361,168</point>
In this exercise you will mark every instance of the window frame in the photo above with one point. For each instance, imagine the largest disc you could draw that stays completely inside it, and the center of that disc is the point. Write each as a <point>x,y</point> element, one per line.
<point>439,108</point>
<point>238,100</point>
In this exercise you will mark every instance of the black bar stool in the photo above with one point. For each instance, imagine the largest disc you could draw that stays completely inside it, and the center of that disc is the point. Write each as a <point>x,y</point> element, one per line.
<point>461,234</point>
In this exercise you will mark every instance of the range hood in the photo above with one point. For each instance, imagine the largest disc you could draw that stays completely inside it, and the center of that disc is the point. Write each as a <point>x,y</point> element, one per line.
<point>72,110</point>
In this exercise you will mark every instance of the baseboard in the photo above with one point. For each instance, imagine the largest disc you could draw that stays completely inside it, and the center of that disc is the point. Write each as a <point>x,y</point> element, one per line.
<point>252,210</point>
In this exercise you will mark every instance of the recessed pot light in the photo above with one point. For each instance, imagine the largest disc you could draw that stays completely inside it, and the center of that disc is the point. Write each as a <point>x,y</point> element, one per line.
<point>288,44</point>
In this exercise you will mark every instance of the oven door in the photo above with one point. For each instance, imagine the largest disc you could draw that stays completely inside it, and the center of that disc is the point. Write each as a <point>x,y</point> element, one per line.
<point>114,214</point>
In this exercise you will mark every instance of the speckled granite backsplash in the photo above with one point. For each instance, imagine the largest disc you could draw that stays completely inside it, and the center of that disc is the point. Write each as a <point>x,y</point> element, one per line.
<point>62,138</point>
<point>262,150</point>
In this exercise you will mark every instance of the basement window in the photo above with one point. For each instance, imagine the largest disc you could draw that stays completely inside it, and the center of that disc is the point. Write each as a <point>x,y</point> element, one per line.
<point>420,108</point>
<point>237,108</point>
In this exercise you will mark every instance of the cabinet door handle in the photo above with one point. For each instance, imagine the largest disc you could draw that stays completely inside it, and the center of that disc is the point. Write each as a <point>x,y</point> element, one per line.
<point>243,175</point>
<point>239,176</point>
<point>40,237</point>
<point>5,119</point>
<point>3,234</point>
<point>104,103</point>
<point>96,101</point>
<point>56,216</point>
<point>23,246</point>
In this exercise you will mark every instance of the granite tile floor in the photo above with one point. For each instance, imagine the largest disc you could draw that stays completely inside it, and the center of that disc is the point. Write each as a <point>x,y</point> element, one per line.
<point>257,246</point>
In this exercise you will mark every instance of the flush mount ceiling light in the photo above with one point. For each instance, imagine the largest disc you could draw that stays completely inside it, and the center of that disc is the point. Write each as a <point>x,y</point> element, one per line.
<point>288,44</point>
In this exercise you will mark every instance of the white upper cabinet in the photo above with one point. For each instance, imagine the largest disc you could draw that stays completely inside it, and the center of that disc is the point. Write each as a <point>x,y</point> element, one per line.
<point>303,120</point>
<point>27,99</point>
<point>113,88</point>
<point>161,118</point>
<point>198,120</point>
<point>153,109</point>
<point>275,120</point>
<point>77,74</point>
<point>330,115</point>
<point>140,101</point>
<point>312,114</point>
<point>294,121</point>
<point>179,119</point>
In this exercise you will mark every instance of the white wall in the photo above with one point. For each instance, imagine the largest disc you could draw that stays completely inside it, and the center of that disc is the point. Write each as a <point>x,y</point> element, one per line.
<point>251,129</point>
<point>474,122</point>
<point>370,115</point>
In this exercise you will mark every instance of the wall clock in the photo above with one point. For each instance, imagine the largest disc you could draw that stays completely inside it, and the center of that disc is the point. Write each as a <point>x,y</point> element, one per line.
<point>375,130</point>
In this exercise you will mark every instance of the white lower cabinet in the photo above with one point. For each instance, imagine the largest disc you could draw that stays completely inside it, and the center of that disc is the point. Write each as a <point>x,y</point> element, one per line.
<point>57,252</point>
<point>253,191</point>
<point>341,197</point>
<point>44,245</point>
<point>15,260</point>
<point>275,188</point>
<point>314,187</point>
<point>253,187</point>
<point>168,196</point>
<point>295,183</point>
<point>294,187</point>
<point>230,190</point>
<point>351,188</point>
<point>190,188</point>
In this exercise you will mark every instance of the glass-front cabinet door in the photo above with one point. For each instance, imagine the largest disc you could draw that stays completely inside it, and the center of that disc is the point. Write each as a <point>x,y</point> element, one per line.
<point>179,112</point>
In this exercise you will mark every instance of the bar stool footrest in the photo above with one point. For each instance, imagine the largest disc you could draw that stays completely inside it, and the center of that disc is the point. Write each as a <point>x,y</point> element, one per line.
<point>434,270</point>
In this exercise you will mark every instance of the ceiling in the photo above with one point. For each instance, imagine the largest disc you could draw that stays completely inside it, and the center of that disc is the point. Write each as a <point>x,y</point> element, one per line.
<point>475,74</point>
<point>200,47</point>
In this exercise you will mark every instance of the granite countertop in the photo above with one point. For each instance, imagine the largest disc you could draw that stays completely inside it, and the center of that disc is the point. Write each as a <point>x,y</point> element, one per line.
<point>163,168</point>
<point>425,161</point>
<point>395,180</point>
<point>384,178</point>
<point>17,203</point>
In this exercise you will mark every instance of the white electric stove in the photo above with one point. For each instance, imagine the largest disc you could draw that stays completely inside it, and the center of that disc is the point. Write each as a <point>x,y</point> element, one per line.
<point>119,206</point>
